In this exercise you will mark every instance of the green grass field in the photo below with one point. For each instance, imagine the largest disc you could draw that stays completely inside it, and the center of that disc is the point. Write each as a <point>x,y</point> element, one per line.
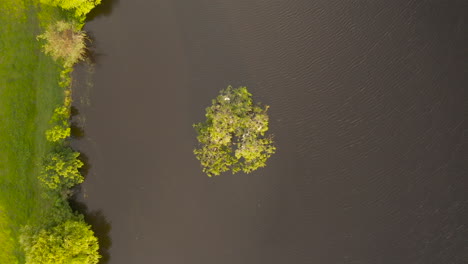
<point>29,91</point>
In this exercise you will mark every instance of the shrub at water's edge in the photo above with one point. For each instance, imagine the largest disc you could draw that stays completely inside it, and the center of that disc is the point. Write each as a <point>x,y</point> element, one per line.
<point>31,84</point>
<point>66,238</point>
<point>64,42</point>
<point>233,135</point>
<point>61,169</point>
<point>80,8</point>
<point>71,242</point>
<point>61,124</point>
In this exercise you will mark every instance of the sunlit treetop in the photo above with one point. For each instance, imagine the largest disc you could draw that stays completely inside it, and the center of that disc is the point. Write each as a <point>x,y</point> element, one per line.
<point>233,137</point>
<point>72,242</point>
<point>79,7</point>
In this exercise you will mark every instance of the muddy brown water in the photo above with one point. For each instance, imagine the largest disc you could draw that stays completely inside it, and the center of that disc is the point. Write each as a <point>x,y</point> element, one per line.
<point>368,107</point>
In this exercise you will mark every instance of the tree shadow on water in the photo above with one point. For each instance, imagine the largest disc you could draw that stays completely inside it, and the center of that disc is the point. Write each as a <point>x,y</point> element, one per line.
<point>99,224</point>
<point>86,165</point>
<point>76,131</point>
<point>91,54</point>
<point>103,9</point>
<point>74,111</point>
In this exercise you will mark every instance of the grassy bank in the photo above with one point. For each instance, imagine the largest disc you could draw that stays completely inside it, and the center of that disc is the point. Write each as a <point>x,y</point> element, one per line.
<point>29,92</point>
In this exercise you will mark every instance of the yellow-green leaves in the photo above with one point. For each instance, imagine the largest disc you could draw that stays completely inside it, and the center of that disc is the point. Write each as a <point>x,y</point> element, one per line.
<point>61,169</point>
<point>61,129</point>
<point>72,242</point>
<point>80,8</point>
<point>233,135</point>
<point>58,133</point>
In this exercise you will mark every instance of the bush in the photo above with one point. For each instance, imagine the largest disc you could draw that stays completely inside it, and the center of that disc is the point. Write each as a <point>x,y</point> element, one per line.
<point>65,78</point>
<point>61,114</point>
<point>62,129</point>
<point>58,133</point>
<point>72,242</point>
<point>79,7</point>
<point>64,42</point>
<point>233,135</point>
<point>61,169</point>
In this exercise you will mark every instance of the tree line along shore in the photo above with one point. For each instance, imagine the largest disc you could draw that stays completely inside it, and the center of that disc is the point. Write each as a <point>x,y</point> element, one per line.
<point>40,41</point>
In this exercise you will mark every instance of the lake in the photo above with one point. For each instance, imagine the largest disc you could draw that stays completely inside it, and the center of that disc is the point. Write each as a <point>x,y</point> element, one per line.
<point>368,105</point>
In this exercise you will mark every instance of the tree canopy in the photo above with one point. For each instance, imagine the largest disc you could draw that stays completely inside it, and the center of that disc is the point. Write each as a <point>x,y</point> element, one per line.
<point>72,242</point>
<point>80,7</point>
<point>233,135</point>
<point>64,43</point>
<point>61,169</point>
<point>61,129</point>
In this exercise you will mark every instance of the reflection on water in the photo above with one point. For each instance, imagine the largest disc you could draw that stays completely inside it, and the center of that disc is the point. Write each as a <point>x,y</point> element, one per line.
<point>103,9</point>
<point>100,226</point>
<point>84,170</point>
<point>76,132</point>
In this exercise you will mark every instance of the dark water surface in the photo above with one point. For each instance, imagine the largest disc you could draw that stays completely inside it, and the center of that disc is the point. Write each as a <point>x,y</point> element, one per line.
<point>368,107</point>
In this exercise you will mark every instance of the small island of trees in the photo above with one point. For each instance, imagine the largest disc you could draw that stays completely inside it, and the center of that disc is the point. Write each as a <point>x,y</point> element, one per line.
<point>233,136</point>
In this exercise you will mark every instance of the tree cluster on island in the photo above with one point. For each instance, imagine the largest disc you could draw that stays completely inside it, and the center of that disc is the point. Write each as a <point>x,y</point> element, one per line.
<point>233,137</point>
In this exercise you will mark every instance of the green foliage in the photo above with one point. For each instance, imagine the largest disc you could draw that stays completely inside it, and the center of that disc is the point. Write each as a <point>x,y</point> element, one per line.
<point>233,135</point>
<point>61,114</point>
<point>61,129</point>
<point>28,94</point>
<point>65,79</point>
<point>60,210</point>
<point>58,133</point>
<point>61,169</point>
<point>79,7</point>
<point>64,42</point>
<point>72,242</point>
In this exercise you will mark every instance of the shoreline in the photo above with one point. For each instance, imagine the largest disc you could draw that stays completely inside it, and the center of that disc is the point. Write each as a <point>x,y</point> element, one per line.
<point>31,86</point>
